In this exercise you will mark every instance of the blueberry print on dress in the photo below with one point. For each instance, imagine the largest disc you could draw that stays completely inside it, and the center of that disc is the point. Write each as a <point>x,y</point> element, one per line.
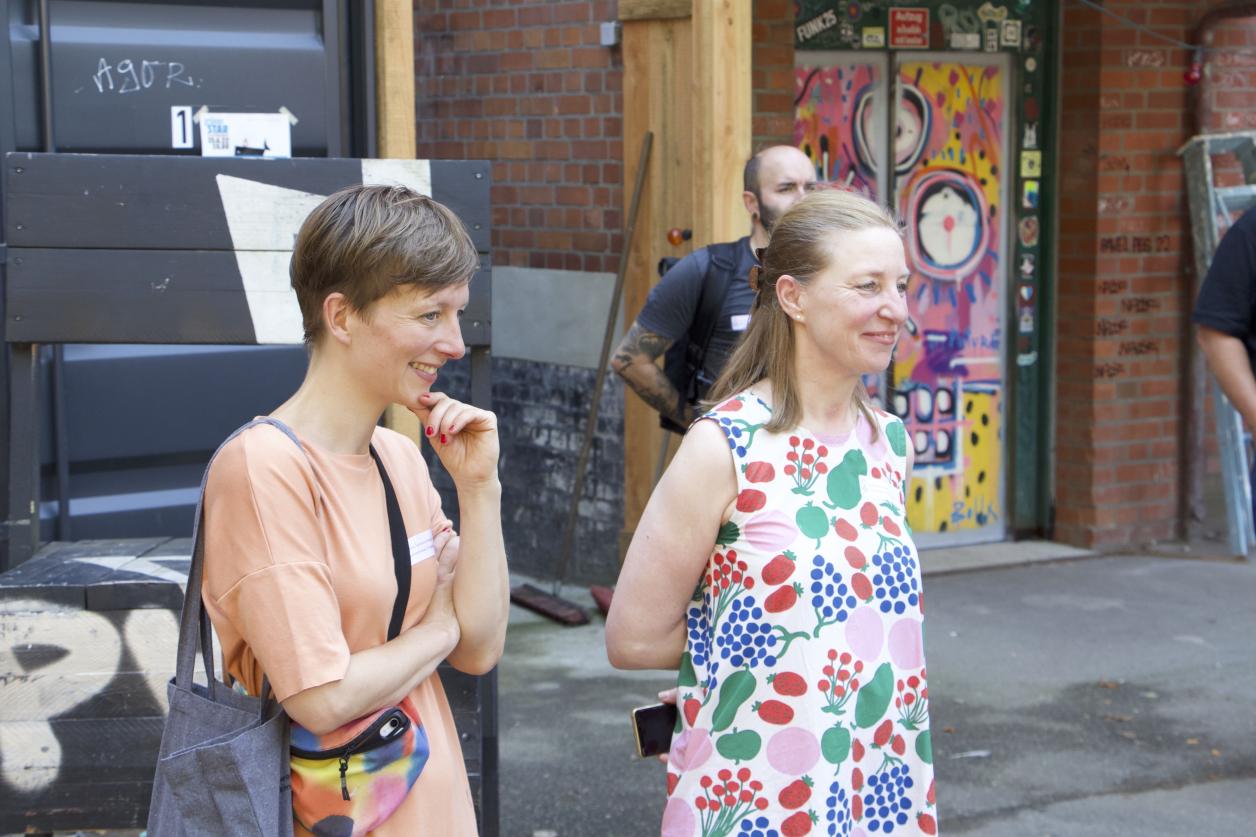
<point>803,692</point>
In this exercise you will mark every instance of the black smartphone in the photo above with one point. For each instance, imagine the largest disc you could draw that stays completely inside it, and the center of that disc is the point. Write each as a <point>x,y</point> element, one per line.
<point>653,727</point>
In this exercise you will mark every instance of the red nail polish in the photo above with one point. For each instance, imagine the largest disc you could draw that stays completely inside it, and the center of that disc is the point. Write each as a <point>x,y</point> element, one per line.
<point>442,438</point>
<point>429,431</point>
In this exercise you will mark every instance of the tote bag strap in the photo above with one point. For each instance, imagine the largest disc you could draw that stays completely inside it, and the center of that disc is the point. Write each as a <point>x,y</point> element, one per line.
<point>194,627</point>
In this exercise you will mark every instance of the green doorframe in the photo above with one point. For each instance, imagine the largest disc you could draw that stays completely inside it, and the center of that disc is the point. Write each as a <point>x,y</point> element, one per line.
<point>1029,341</point>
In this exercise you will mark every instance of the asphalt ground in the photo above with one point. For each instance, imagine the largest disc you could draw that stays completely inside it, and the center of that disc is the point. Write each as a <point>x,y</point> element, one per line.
<point>1103,696</point>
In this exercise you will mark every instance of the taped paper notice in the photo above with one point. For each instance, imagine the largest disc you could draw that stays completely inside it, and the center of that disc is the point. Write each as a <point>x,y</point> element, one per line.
<point>246,135</point>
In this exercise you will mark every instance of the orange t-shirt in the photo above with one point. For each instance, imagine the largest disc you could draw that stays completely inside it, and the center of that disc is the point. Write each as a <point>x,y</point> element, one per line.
<point>299,575</point>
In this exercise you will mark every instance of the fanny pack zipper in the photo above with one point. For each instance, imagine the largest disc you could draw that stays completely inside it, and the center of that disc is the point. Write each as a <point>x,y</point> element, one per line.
<point>346,751</point>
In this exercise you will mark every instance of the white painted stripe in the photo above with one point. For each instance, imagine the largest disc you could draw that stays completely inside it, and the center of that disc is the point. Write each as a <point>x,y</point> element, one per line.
<point>421,547</point>
<point>263,217</point>
<point>272,303</point>
<point>414,174</point>
<point>263,221</point>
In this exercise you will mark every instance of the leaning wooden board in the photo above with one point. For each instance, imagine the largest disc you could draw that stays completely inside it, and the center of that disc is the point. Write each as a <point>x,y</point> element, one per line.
<point>87,643</point>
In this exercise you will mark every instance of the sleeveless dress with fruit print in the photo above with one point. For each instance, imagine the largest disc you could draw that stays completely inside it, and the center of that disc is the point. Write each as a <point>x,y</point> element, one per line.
<point>802,686</point>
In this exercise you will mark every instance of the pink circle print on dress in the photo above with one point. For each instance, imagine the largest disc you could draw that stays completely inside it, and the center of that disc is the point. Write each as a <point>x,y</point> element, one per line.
<point>678,819</point>
<point>907,644</point>
<point>864,633</point>
<point>793,751</point>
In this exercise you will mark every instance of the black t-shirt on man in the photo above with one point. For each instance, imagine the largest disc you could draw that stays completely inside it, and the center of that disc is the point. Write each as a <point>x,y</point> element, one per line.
<point>1227,298</point>
<point>673,304</point>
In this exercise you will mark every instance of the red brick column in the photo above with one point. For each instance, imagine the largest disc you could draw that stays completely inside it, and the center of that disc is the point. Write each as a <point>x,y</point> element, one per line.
<point>529,87</point>
<point>1125,283</point>
<point>772,73</point>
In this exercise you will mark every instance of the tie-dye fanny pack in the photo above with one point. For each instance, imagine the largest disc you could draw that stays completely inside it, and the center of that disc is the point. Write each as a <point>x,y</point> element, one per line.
<point>351,779</point>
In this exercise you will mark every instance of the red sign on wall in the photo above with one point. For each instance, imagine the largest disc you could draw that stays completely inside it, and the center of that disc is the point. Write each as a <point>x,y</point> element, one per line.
<point>909,28</point>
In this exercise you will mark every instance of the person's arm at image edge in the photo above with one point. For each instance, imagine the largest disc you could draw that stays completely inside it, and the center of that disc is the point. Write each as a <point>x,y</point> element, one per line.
<point>1228,360</point>
<point>669,552</point>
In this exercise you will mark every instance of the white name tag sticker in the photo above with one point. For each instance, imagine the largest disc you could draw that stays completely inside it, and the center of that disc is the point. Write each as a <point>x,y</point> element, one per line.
<point>421,547</point>
<point>739,322</point>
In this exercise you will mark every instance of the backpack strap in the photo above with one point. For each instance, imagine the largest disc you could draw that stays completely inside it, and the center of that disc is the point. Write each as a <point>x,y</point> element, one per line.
<point>194,627</point>
<point>684,359</point>
<point>716,283</point>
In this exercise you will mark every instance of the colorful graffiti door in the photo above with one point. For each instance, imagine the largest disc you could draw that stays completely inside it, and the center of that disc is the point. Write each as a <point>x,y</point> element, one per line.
<point>840,121</point>
<point>948,180</point>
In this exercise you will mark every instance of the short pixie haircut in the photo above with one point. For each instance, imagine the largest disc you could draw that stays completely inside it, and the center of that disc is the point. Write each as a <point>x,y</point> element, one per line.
<point>365,241</point>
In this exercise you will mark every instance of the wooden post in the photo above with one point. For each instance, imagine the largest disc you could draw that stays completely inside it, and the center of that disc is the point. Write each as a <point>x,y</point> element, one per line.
<point>720,99</point>
<point>687,79</point>
<point>395,129</point>
<point>394,78</point>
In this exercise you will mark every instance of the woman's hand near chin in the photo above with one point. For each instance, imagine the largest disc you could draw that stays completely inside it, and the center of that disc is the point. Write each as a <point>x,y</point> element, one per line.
<point>465,439</point>
<point>463,436</point>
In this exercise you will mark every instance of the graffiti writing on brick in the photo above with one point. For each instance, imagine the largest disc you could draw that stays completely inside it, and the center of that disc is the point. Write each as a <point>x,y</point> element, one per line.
<point>1138,348</point>
<point>1112,286</point>
<point>1145,58</point>
<point>1113,162</point>
<point>1140,304</point>
<point>1109,370</point>
<point>1136,244</point>
<point>1111,328</point>
<point>1120,203</point>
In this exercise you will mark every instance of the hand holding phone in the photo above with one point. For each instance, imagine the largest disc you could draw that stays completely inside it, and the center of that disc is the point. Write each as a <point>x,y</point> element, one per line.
<point>652,726</point>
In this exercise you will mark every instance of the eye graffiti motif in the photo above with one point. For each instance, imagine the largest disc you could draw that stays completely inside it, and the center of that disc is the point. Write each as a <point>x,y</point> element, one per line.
<point>951,230</point>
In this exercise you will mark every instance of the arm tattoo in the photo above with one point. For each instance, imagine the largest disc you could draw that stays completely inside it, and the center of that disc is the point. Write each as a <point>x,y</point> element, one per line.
<point>635,362</point>
<point>639,341</point>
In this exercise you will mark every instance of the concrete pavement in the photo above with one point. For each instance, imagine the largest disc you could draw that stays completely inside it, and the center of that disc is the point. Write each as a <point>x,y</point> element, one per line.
<point>1100,696</point>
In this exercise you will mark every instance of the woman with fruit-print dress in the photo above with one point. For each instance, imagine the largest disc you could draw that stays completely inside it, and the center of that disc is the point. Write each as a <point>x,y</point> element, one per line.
<point>773,566</point>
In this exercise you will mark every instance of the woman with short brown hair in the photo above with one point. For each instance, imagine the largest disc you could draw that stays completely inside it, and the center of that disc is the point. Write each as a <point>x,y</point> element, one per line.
<point>312,520</point>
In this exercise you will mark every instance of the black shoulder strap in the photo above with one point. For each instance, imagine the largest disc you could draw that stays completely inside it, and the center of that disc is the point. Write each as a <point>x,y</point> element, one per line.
<point>715,285</point>
<point>400,548</point>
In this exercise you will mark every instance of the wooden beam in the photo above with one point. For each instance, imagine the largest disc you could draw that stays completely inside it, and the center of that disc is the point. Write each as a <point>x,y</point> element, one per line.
<point>657,75</point>
<point>395,128</point>
<point>394,78</point>
<point>654,9</point>
<point>687,80</point>
<point>721,94</point>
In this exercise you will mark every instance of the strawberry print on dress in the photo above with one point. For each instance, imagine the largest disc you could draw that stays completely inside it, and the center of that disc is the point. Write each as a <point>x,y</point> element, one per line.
<point>804,703</point>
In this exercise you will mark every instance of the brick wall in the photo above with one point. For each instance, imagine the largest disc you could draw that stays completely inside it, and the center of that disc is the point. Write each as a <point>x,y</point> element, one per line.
<point>772,73</point>
<point>527,86</point>
<point>1125,272</point>
<point>1229,86</point>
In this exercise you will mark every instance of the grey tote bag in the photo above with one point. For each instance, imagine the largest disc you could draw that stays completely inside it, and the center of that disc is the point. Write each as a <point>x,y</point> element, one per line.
<point>223,763</point>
